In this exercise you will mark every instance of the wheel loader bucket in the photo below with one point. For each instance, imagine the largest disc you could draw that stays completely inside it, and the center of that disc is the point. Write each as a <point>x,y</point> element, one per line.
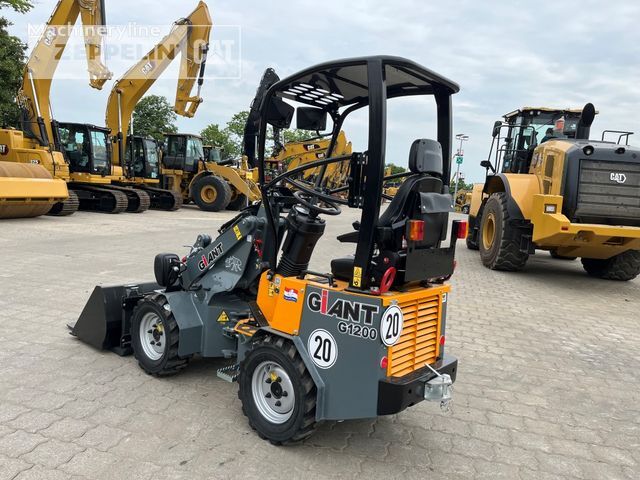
<point>105,321</point>
<point>28,190</point>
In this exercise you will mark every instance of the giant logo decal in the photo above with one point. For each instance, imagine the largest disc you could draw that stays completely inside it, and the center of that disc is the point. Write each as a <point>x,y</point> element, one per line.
<point>356,318</point>
<point>342,309</point>
<point>210,257</point>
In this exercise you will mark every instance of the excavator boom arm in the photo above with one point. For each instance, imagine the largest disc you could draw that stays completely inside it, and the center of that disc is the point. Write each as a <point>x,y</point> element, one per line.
<point>34,96</point>
<point>189,36</point>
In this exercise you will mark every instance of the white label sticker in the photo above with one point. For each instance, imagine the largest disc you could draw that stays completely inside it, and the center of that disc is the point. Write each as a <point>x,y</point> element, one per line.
<point>391,325</point>
<point>322,348</point>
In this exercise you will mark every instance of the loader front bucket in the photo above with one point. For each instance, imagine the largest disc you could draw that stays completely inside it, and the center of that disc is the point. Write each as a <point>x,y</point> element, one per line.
<point>105,321</point>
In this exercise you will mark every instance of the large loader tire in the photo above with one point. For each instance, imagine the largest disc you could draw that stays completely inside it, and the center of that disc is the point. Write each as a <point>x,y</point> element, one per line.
<point>499,247</point>
<point>471,243</point>
<point>211,193</point>
<point>238,201</point>
<point>277,392</point>
<point>623,267</point>
<point>154,337</point>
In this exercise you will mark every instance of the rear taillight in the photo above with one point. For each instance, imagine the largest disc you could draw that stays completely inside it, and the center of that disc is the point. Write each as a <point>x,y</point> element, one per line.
<point>416,230</point>
<point>442,340</point>
<point>463,228</point>
<point>384,362</point>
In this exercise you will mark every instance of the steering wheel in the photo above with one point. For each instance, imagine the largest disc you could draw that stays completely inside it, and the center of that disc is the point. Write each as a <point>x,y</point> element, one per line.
<point>305,200</point>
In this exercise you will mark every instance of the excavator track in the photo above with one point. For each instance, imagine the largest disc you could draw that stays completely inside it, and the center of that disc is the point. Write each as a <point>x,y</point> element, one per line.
<point>66,208</point>
<point>99,199</point>
<point>138,201</point>
<point>162,199</point>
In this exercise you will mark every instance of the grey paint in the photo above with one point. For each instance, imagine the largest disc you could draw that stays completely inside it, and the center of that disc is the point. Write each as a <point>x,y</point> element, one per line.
<point>351,384</point>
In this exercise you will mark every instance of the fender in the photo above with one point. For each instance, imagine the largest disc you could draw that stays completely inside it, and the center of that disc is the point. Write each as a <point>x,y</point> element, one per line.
<point>520,189</point>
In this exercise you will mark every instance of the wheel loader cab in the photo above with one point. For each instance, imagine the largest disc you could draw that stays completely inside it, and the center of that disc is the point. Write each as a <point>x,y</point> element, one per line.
<point>183,152</point>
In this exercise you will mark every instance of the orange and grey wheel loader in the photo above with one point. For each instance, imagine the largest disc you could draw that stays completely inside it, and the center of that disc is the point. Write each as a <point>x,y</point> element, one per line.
<point>366,338</point>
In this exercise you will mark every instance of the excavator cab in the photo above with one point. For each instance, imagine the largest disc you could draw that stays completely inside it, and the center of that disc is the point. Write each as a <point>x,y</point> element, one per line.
<point>86,147</point>
<point>142,157</point>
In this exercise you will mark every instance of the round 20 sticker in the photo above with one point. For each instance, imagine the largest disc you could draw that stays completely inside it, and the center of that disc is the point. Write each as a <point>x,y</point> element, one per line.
<point>322,348</point>
<point>391,325</point>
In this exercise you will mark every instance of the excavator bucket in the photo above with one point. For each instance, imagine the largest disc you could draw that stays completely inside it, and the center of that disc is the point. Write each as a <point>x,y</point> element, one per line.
<point>28,190</point>
<point>105,321</point>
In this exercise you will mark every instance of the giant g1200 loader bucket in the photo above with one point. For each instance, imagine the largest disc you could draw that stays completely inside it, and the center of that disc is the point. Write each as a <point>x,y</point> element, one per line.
<point>28,190</point>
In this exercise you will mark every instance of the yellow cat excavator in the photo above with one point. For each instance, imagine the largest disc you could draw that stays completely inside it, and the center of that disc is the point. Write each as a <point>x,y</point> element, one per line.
<point>135,159</point>
<point>32,188</point>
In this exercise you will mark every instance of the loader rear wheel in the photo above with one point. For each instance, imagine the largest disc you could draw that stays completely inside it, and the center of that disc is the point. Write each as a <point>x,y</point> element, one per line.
<point>623,267</point>
<point>277,392</point>
<point>499,245</point>
<point>211,193</point>
<point>154,337</point>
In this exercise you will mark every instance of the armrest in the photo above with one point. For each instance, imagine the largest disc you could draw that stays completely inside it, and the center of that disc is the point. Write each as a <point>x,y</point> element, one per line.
<point>351,237</point>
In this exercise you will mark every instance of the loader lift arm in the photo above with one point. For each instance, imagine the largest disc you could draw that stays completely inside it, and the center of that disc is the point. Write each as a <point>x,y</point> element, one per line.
<point>34,95</point>
<point>189,36</point>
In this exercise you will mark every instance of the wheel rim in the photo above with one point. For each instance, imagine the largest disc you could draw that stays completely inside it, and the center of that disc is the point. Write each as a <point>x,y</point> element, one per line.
<point>152,337</point>
<point>489,231</point>
<point>273,392</point>
<point>209,194</point>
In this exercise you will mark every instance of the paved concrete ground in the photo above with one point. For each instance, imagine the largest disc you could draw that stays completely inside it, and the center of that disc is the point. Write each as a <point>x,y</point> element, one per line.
<point>548,384</point>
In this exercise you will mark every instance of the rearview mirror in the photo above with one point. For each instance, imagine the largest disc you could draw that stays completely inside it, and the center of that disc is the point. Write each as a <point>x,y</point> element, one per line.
<point>311,118</point>
<point>279,113</point>
<point>485,164</point>
<point>496,128</point>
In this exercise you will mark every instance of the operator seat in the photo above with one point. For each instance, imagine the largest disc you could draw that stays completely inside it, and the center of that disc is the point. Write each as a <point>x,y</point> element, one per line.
<point>426,166</point>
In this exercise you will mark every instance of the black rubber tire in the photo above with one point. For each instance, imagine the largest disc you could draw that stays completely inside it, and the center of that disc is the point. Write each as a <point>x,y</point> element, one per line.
<point>622,267</point>
<point>222,191</point>
<point>170,363</point>
<point>504,253</point>
<point>303,421</point>
<point>471,244</point>
<point>239,202</point>
<point>554,254</point>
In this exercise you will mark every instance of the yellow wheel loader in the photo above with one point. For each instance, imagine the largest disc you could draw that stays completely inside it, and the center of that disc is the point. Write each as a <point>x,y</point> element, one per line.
<point>550,187</point>
<point>211,185</point>
<point>38,143</point>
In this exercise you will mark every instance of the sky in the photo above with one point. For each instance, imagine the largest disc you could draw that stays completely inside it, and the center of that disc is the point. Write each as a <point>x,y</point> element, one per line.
<point>504,54</point>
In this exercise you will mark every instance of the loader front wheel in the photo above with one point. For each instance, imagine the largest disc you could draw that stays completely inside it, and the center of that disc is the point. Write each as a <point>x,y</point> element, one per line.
<point>211,193</point>
<point>277,392</point>
<point>154,337</point>
<point>499,245</point>
<point>623,267</point>
<point>238,201</point>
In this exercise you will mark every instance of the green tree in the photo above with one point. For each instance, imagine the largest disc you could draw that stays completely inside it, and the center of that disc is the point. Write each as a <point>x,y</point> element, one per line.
<point>12,62</point>
<point>154,116</point>
<point>219,137</point>
<point>395,169</point>
<point>22,6</point>
<point>295,135</point>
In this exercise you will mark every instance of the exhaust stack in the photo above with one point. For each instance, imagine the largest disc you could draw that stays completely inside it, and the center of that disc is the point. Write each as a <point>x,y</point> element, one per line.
<point>586,119</point>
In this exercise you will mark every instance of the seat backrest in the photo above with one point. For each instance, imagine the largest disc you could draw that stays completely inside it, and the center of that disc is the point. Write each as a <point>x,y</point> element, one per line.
<point>425,162</point>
